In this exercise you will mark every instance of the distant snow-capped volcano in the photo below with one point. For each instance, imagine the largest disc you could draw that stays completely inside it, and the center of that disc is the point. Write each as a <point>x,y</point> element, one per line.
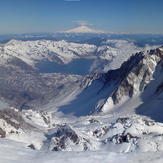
<point>83,29</point>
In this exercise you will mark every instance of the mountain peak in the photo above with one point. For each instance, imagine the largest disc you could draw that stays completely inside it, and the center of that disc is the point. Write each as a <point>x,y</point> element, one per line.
<point>83,29</point>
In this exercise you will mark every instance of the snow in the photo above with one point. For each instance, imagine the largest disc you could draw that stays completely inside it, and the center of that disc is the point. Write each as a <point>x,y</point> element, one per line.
<point>3,104</point>
<point>38,119</point>
<point>20,153</point>
<point>109,55</point>
<point>117,134</point>
<point>32,51</point>
<point>104,135</point>
<point>118,51</point>
<point>25,155</point>
<point>86,100</point>
<point>143,79</point>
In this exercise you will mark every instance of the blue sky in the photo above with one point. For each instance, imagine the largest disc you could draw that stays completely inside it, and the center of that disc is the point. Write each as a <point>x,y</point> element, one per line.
<point>137,16</point>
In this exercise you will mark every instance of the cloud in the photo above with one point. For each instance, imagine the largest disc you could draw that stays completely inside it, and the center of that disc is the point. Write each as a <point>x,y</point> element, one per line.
<point>82,23</point>
<point>72,0</point>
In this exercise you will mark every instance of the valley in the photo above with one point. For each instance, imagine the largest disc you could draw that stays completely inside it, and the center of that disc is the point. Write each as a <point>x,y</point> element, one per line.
<point>59,96</point>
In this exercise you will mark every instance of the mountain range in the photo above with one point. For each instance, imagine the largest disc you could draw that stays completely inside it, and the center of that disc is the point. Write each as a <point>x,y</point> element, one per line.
<point>115,109</point>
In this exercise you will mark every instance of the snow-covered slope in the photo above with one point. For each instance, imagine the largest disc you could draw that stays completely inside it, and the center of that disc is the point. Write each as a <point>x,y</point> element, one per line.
<point>22,87</point>
<point>29,89</point>
<point>33,51</point>
<point>42,132</point>
<point>142,77</point>
<point>114,97</point>
<point>135,83</point>
<point>118,51</point>
<point>19,57</point>
<point>110,55</point>
<point>106,92</point>
<point>14,127</point>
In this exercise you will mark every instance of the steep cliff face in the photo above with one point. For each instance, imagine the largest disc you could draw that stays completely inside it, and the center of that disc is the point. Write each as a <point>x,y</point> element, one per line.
<point>105,92</point>
<point>141,77</point>
<point>137,74</point>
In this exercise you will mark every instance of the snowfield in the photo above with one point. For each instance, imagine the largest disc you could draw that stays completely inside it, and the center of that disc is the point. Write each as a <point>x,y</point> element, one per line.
<point>32,51</point>
<point>114,116</point>
<point>143,144</point>
<point>114,52</point>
